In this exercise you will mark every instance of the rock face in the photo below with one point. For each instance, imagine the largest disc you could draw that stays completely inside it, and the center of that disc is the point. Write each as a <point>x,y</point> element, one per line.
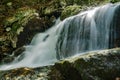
<point>96,65</point>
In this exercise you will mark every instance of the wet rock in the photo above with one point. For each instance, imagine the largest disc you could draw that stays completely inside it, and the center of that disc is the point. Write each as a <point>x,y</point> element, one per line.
<point>65,71</point>
<point>7,58</point>
<point>18,51</point>
<point>33,27</point>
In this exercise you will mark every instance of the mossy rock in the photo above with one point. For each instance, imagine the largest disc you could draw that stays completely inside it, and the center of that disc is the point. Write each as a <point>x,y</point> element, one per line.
<point>99,65</point>
<point>114,1</point>
<point>96,65</point>
<point>65,70</point>
<point>15,24</point>
<point>20,18</point>
<point>70,11</point>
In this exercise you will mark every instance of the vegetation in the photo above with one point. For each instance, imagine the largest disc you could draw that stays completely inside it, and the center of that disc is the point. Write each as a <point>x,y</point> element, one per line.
<point>70,11</point>
<point>114,1</point>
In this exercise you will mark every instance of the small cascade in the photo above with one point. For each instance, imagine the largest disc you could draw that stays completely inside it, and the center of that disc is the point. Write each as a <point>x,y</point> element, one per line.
<point>87,31</point>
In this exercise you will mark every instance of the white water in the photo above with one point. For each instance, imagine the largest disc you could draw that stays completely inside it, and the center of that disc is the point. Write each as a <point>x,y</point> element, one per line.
<point>83,32</point>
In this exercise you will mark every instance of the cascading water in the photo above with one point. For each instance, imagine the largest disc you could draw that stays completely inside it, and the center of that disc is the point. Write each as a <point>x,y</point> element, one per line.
<point>86,31</point>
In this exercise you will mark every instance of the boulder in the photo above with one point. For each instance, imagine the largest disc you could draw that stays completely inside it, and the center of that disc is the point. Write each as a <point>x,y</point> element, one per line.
<point>94,65</point>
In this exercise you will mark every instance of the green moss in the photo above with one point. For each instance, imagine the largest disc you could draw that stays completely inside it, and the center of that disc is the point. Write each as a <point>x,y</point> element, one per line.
<point>20,18</point>
<point>114,1</point>
<point>69,2</point>
<point>70,11</point>
<point>14,24</point>
<point>49,10</point>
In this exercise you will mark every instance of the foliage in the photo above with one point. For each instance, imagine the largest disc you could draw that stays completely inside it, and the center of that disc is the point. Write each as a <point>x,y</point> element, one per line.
<point>14,24</point>
<point>70,11</point>
<point>114,1</point>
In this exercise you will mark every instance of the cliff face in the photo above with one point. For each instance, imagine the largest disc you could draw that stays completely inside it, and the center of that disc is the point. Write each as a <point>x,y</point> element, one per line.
<point>96,65</point>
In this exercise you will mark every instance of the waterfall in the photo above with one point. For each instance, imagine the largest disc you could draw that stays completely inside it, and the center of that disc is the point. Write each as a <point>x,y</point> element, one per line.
<point>87,31</point>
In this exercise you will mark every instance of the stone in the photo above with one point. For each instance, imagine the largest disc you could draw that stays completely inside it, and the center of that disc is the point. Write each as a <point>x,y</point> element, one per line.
<point>96,65</point>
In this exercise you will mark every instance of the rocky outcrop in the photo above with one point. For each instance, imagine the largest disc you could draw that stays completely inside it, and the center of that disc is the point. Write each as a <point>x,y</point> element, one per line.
<point>98,65</point>
<point>95,65</point>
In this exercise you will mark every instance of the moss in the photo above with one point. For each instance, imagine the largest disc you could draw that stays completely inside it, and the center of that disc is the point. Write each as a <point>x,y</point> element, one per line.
<point>114,1</point>
<point>49,10</point>
<point>69,2</point>
<point>14,24</point>
<point>85,2</point>
<point>70,11</point>
<point>19,18</point>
